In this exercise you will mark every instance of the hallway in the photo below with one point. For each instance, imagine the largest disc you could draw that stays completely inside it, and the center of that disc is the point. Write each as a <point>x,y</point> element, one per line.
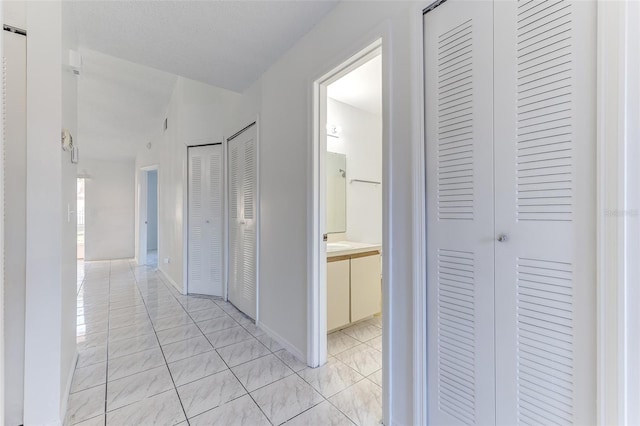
<point>149,355</point>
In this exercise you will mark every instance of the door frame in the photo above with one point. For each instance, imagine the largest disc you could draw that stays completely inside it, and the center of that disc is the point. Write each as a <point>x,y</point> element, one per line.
<point>618,187</point>
<point>225,153</point>
<point>618,227</point>
<point>2,322</point>
<point>141,250</point>
<point>374,44</point>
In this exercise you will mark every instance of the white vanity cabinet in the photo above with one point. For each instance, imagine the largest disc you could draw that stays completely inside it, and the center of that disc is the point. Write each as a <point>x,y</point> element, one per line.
<point>366,291</point>
<point>354,287</point>
<point>337,293</point>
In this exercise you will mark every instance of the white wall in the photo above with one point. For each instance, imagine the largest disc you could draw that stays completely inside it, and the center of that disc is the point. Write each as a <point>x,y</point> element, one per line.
<point>197,114</point>
<point>109,209</point>
<point>15,13</point>
<point>152,210</point>
<point>282,97</point>
<point>50,282</point>
<point>361,142</point>
<point>69,208</point>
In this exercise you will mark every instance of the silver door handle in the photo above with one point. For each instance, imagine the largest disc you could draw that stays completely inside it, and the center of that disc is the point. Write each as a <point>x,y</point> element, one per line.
<point>502,238</point>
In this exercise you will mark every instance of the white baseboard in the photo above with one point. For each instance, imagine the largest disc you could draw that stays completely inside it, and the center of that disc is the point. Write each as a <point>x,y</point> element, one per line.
<point>67,389</point>
<point>283,342</point>
<point>170,280</point>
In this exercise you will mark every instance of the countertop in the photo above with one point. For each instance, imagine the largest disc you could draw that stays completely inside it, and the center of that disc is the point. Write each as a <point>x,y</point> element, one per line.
<point>345,248</point>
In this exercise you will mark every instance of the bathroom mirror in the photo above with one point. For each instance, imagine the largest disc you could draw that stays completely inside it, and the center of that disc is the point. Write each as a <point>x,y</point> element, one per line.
<point>336,192</point>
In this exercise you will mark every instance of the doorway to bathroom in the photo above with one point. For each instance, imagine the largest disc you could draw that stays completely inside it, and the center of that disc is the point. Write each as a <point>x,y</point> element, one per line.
<point>346,302</point>
<point>80,218</point>
<point>152,217</point>
<point>148,216</point>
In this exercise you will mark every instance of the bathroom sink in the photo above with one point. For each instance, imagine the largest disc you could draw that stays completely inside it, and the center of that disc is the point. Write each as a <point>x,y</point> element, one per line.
<point>337,246</point>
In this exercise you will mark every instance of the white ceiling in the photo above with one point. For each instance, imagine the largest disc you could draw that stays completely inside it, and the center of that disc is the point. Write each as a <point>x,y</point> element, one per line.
<point>134,50</point>
<point>224,43</point>
<point>121,105</point>
<point>361,88</point>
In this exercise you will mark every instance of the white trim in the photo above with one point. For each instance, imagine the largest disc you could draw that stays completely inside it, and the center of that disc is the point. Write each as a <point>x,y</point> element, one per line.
<point>610,199</point>
<point>387,226</point>
<point>631,219</point>
<point>171,281</point>
<point>281,341</point>
<point>2,325</point>
<point>316,302</point>
<point>313,206</point>
<point>420,383</point>
<point>67,388</point>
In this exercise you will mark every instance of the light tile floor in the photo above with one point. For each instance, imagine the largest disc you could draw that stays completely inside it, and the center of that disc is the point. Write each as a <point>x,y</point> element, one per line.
<point>151,356</point>
<point>152,258</point>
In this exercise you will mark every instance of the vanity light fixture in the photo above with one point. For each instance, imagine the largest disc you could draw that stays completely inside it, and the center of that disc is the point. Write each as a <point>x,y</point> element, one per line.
<point>334,130</point>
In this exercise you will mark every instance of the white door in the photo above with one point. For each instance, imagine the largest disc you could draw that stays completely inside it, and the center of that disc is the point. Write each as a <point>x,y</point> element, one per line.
<point>545,186</point>
<point>242,221</point>
<point>523,239</point>
<point>458,44</point>
<point>205,220</point>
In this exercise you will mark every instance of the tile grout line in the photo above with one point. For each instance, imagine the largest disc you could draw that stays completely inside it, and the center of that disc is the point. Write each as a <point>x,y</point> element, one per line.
<point>297,373</point>
<point>106,379</point>
<point>227,365</point>
<point>175,388</point>
<point>325,398</point>
<point>184,301</point>
<point>353,384</point>
<point>261,387</point>
<point>84,280</point>
<point>271,352</point>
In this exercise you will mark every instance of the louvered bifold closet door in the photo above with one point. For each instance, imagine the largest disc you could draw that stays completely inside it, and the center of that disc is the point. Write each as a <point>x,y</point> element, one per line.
<point>545,205</point>
<point>205,254</point>
<point>242,221</point>
<point>459,138</point>
<point>216,201</point>
<point>235,217</point>
<point>249,290</point>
